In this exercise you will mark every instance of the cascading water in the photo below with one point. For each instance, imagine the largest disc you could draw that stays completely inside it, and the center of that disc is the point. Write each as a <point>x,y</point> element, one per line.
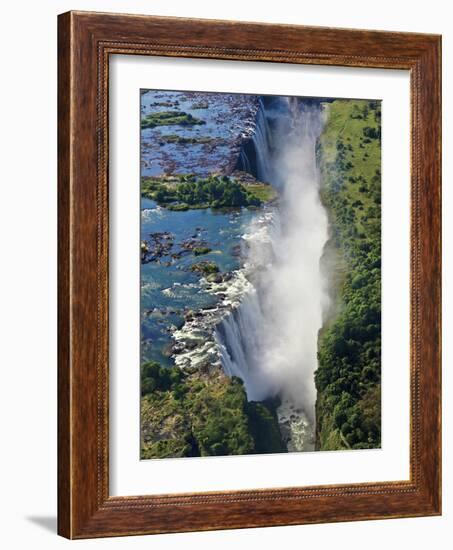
<point>270,340</point>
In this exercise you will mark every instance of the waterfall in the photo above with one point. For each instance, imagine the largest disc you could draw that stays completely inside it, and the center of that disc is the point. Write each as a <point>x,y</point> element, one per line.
<point>255,157</point>
<point>270,340</point>
<point>262,140</point>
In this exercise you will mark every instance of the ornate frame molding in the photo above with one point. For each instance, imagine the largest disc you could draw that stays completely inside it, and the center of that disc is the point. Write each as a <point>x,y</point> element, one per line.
<point>86,40</point>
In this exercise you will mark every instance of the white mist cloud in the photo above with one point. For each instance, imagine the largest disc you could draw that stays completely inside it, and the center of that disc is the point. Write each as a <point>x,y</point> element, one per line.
<point>270,341</point>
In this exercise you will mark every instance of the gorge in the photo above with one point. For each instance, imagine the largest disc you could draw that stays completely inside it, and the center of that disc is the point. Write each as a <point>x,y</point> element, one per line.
<point>260,243</point>
<point>270,339</point>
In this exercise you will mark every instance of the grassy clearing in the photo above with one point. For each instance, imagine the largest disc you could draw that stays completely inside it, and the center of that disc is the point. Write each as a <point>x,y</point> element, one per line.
<point>351,155</point>
<point>263,191</point>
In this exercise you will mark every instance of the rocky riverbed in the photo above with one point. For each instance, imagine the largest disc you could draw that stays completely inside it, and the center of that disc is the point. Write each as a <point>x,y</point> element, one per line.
<point>213,146</point>
<point>196,271</point>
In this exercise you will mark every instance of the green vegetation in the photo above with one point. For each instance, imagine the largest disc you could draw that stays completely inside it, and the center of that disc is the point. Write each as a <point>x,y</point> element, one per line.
<point>200,105</point>
<point>184,140</point>
<point>349,347</point>
<point>263,426</point>
<point>155,377</point>
<point>165,104</point>
<point>205,267</point>
<point>193,414</point>
<point>263,191</point>
<point>178,207</point>
<point>169,118</point>
<point>187,191</point>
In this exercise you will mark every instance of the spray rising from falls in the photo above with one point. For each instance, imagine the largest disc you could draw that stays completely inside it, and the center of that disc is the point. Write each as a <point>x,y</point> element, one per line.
<point>270,340</point>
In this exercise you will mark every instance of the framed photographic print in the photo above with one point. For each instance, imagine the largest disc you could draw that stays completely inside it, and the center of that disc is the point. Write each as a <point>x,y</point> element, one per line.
<point>249,275</point>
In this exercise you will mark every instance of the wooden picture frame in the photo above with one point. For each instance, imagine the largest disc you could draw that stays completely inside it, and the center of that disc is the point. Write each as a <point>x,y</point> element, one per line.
<point>85,42</point>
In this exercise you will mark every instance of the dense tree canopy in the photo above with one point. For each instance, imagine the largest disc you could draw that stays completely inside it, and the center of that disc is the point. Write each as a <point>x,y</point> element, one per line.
<point>189,414</point>
<point>188,191</point>
<point>349,374</point>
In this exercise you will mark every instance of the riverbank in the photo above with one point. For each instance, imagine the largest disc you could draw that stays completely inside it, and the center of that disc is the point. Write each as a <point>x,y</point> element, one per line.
<point>348,404</point>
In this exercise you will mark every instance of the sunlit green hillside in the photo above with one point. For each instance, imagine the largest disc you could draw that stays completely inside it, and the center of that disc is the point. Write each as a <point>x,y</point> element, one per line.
<point>348,377</point>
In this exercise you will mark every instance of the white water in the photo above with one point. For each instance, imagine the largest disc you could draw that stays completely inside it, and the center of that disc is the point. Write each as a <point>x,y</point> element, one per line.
<point>270,340</point>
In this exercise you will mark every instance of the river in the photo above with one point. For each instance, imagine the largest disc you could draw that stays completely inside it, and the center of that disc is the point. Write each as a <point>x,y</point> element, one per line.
<point>270,340</point>
<point>261,322</point>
